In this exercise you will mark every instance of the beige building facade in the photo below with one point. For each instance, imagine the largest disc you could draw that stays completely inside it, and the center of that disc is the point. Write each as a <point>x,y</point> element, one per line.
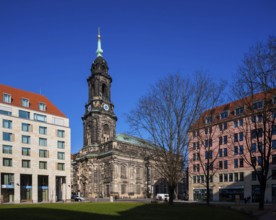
<point>35,148</point>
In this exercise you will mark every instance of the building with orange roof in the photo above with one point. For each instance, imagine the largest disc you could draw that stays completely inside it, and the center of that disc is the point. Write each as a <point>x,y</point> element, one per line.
<point>224,144</point>
<point>35,148</point>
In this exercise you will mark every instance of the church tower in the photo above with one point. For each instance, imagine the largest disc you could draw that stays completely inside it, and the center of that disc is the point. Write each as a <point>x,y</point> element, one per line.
<point>99,120</point>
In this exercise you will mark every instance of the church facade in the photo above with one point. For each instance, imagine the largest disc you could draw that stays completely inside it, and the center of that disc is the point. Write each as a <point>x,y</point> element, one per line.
<point>110,164</point>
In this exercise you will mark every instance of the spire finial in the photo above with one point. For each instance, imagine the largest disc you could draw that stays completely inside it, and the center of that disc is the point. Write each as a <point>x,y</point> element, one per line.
<point>99,50</point>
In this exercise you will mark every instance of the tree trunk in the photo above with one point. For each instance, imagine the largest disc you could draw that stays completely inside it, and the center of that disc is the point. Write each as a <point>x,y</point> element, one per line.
<point>207,192</point>
<point>262,195</point>
<point>171,194</point>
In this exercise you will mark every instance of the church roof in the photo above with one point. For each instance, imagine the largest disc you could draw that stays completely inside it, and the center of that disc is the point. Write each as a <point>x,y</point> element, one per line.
<point>125,138</point>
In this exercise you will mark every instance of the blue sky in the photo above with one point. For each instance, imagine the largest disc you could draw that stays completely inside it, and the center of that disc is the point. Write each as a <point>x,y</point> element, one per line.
<point>48,46</point>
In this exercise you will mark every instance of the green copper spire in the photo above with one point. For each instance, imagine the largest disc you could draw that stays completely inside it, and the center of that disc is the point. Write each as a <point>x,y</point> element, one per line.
<point>99,50</point>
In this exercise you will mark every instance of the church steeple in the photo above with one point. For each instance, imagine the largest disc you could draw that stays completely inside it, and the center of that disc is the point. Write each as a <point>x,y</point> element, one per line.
<point>99,119</point>
<point>99,50</point>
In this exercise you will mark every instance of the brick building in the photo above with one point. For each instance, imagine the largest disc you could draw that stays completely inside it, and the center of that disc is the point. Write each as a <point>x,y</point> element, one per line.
<point>226,141</point>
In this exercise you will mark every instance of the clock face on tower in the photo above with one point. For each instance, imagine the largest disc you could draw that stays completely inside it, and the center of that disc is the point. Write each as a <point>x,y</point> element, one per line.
<point>106,107</point>
<point>89,108</point>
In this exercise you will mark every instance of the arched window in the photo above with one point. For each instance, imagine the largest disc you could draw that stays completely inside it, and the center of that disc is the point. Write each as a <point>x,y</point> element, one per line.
<point>106,129</point>
<point>104,91</point>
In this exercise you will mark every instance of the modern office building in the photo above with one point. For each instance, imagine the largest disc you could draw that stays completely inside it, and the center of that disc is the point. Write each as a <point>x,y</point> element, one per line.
<point>35,148</point>
<point>226,141</point>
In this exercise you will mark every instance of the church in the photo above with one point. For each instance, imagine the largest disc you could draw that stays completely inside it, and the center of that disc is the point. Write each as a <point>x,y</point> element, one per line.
<point>110,164</point>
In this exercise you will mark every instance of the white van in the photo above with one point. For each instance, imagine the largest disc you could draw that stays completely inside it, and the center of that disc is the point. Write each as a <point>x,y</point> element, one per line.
<point>162,197</point>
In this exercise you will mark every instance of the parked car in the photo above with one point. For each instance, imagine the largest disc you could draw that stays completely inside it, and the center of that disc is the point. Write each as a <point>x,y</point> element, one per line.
<point>162,197</point>
<point>77,198</point>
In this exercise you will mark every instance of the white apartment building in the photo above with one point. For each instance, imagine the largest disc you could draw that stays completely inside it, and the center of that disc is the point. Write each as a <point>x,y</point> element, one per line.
<point>35,148</point>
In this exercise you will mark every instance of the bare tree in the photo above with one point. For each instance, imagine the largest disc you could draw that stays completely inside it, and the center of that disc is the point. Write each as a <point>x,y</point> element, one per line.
<point>255,88</point>
<point>166,114</point>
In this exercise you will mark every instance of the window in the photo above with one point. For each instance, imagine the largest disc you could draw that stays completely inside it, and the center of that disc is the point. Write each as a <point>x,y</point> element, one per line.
<point>42,130</point>
<point>26,151</point>
<point>43,165</point>
<point>236,163</point>
<point>225,164</point>
<point>7,136</point>
<point>235,137</point>
<point>8,179</point>
<point>225,139</point>
<point>260,161</point>
<point>224,115</point>
<point>38,117</point>
<point>241,149</point>
<point>208,154</point>
<point>230,177</point>
<point>42,106</point>
<point>6,98</point>
<point>194,179</point>
<point>239,111</point>
<point>253,148</point>
<point>61,155</point>
<point>7,162</point>
<point>26,127</point>
<point>123,171</point>
<point>60,166</point>
<point>26,163</point>
<point>220,165</point>
<point>241,122</point>
<point>60,133</point>
<point>241,176</point>
<point>257,105</point>
<point>260,118</point>
<point>43,153</point>
<point>256,133</point>
<point>25,102</point>
<point>273,129</point>
<point>208,143</point>
<point>196,145</point>
<point>23,114</point>
<point>225,152</point>
<point>236,150</point>
<point>220,152</point>
<point>225,177</point>
<point>26,139</point>
<point>220,178</point>
<point>260,146</point>
<point>42,142</point>
<point>241,162</point>
<point>220,140</point>
<point>4,112</point>
<point>236,177</point>
<point>223,126</point>
<point>60,144</point>
<point>7,149</point>
<point>7,124</point>
<point>241,136</point>
<point>236,123</point>
<point>208,119</point>
<point>195,156</point>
